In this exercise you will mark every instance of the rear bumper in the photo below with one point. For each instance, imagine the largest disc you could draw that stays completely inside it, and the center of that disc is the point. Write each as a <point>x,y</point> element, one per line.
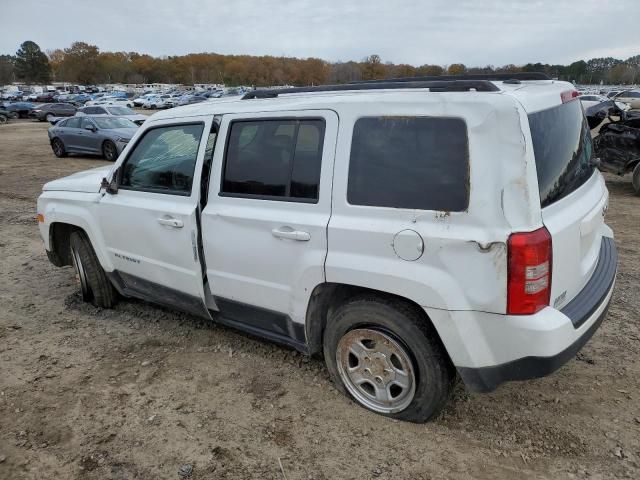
<point>504,348</point>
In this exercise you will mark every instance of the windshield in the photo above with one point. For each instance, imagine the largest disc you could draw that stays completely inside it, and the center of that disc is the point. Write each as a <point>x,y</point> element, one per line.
<point>563,150</point>
<point>120,111</point>
<point>107,123</point>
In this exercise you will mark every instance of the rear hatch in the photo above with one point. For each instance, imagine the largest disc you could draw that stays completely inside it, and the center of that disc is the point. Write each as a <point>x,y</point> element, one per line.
<point>573,196</point>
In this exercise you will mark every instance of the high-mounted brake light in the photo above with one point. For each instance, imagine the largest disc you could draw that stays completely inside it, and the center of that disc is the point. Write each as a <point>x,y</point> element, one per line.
<point>569,95</point>
<point>529,272</point>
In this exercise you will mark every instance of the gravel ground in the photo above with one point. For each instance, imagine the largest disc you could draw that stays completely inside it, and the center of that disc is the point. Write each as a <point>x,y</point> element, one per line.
<point>143,392</point>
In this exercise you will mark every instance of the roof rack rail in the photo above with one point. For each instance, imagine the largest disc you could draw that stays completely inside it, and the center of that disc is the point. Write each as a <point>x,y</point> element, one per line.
<point>433,85</point>
<point>499,77</point>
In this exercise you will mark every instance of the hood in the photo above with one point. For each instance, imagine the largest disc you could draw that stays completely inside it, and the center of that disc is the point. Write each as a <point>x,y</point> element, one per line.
<point>127,133</point>
<point>85,181</point>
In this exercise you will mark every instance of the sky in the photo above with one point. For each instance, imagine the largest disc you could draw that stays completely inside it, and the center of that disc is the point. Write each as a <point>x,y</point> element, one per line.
<point>442,32</point>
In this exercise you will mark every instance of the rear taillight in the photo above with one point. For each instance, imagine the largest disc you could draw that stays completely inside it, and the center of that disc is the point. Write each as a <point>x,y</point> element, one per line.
<point>529,275</point>
<point>569,95</point>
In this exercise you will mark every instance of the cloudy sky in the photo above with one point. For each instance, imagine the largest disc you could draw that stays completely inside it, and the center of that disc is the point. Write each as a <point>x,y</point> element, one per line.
<point>473,32</point>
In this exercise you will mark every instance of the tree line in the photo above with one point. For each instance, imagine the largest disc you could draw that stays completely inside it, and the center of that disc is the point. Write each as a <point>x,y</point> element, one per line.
<point>84,63</point>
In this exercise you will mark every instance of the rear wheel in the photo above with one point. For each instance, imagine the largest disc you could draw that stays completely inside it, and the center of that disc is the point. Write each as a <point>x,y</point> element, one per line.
<point>3,119</point>
<point>384,355</point>
<point>58,148</point>
<point>94,284</point>
<point>636,179</point>
<point>109,151</point>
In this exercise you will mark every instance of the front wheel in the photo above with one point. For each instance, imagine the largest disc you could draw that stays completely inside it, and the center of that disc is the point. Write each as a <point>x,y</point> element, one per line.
<point>384,354</point>
<point>58,148</point>
<point>94,284</point>
<point>109,151</point>
<point>635,181</point>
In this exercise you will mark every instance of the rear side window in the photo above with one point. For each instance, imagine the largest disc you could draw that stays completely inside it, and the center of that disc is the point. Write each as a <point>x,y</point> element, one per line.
<point>410,162</point>
<point>276,159</point>
<point>562,147</point>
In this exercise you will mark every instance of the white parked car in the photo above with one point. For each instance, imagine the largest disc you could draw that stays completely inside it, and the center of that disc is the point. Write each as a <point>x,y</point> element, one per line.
<point>591,100</point>
<point>630,97</point>
<point>157,102</point>
<point>405,230</point>
<point>110,101</point>
<point>138,102</point>
<point>113,111</point>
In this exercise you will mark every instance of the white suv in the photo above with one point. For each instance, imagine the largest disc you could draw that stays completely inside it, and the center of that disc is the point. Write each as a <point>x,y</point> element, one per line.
<point>406,230</point>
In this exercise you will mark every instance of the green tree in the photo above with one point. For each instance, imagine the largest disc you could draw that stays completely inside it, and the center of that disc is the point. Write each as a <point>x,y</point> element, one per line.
<point>6,69</point>
<point>31,64</point>
<point>456,69</point>
<point>81,63</point>
<point>372,68</point>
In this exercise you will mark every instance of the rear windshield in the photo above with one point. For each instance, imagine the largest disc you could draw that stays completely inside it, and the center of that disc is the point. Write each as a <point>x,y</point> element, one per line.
<point>562,147</point>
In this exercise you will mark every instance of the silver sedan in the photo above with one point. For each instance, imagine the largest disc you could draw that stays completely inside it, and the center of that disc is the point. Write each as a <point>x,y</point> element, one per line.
<point>100,135</point>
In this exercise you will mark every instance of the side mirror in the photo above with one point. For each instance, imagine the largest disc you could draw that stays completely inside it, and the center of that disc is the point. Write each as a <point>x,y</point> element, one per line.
<point>111,187</point>
<point>91,128</point>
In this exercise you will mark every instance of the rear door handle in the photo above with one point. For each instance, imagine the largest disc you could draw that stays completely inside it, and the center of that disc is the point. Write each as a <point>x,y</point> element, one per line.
<point>171,222</point>
<point>291,234</point>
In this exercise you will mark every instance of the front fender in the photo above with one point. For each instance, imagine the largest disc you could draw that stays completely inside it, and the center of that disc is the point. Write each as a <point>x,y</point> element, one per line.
<point>78,209</point>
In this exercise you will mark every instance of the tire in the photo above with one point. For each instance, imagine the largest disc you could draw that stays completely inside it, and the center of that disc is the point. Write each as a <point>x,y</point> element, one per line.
<point>94,284</point>
<point>57,146</point>
<point>109,151</point>
<point>3,119</point>
<point>399,346</point>
<point>635,181</point>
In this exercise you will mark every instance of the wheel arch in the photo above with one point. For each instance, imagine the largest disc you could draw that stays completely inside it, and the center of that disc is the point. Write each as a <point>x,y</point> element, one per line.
<point>327,297</point>
<point>61,224</point>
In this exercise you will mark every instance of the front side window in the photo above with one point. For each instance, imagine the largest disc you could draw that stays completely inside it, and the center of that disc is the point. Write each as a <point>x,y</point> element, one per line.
<point>86,123</point>
<point>164,160</point>
<point>409,162</point>
<point>73,122</point>
<point>277,158</point>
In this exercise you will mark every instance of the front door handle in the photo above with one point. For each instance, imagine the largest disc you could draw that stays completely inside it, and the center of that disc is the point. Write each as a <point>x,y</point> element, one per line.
<point>171,222</point>
<point>291,234</point>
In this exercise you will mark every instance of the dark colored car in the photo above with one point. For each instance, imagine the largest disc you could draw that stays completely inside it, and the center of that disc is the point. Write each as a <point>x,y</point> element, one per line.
<point>50,110</point>
<point>21,109</point>
<point>617,145</point>
<point>46,96</point>
<point>99,135</point>
<point>5,116</point>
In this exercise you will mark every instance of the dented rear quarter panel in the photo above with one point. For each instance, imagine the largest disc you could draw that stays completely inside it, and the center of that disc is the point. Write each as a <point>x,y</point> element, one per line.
<point>464,263</point>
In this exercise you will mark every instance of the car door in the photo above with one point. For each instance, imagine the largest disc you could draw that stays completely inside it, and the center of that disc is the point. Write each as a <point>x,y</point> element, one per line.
<point>72,134</point>
<point>149,226</point>
<point>264,226</point>
<point>90,138</point>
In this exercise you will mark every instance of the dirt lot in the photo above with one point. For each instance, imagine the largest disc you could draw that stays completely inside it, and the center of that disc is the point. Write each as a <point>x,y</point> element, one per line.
<point>139,391</point>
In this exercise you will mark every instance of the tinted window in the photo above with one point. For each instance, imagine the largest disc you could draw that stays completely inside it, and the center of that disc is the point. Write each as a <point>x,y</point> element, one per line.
<point>274,158</point>
<point>73,122</point>
<point>164,160</point>
<point>562,147</point>
<point>410,162</point>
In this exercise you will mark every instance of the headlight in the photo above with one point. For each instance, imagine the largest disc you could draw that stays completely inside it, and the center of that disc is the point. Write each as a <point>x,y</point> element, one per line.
<point>122,140</point>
